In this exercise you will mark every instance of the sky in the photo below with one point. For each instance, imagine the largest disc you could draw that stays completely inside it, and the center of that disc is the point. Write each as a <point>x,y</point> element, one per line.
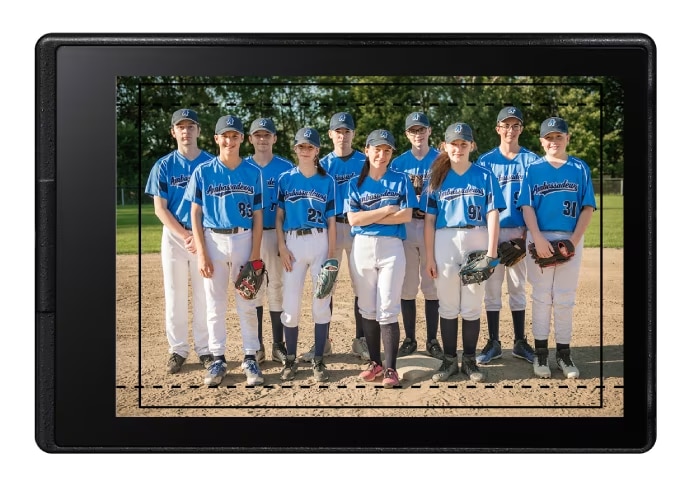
<point>109,476</point>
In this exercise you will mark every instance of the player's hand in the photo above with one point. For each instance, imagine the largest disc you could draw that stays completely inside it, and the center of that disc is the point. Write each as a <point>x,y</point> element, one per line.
<point>205,266</point>
<point>189,244</point>
<point>544,248</point>
<point>431,268</point>
<point>391,209</point>
<point>287,258</point>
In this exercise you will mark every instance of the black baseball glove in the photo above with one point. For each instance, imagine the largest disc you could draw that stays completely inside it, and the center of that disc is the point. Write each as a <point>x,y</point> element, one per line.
<point>478,267</point>
<point>511,252</point>
<point>250,279</point>
<point>563,251</point>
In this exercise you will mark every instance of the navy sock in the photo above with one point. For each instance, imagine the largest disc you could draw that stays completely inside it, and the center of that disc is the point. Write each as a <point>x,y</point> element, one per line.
<point>408,308</point>
<point>449,336</point>
<point>492,324</point>
<point>219,358</point>
<point>560,347</point>
<point>320,335</point>
<point>470,337</point>
<point>249,356</point>
<point>519,324</point>
<point>431,314</point>
<point>541,344</point>
<point>276,326</point>
<point>359,328</point>
<point>260,317</point>
<point>372,332</point>
<point>390,335</point>
<point>291,333</point>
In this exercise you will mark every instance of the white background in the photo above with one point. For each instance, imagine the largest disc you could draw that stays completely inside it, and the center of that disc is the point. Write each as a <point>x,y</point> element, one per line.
<point>29,471</point>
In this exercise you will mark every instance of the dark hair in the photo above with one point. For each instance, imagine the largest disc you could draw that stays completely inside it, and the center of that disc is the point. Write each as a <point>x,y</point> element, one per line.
<point>365,171</point>
<point>439,170</point>
<point>319,169</point>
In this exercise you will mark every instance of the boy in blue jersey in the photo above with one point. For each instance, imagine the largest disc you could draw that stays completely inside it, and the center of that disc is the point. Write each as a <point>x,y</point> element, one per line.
<point>508,162</point>
<point>227,224</point>
<point>344,163</point>
<point>262,136</point>
<point>557,201</point>
<point>166,184</point>
<point>416,163</point>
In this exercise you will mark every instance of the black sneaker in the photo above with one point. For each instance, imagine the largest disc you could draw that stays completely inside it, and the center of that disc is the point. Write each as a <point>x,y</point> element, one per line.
<point>175,362</point>
<point>469,368</point>
<point>408,347</point>
<point>319,368</point>
<point>565,364</point>
<point>448,368</point>
<point>434,349</point>
<point>289,368</point>
<point>279,352</point>
<point>206,360</point>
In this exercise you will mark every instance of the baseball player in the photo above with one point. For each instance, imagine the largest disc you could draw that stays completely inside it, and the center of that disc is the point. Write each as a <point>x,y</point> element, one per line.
<point>508,162</point>
<point>415,162</point>
<point>462,205</point>
<point>262,136</point>
<point>227,223</point>
<point>379,205</point>
<point>557,201</point>
<point>344,163</point>
<point>305,222</point>
<point>166,184</point>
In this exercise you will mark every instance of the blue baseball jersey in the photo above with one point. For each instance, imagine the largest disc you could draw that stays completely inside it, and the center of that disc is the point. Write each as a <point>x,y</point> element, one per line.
<point>394,188</point>
<point>228,197</point>
<point>168,179</point>
<point>464,200</point>
<point>510,174</point>
<point>342,172</point>
<point>557,194</point>
<point>270,174</point>
<point>307,201</point>
<point>418,170</point>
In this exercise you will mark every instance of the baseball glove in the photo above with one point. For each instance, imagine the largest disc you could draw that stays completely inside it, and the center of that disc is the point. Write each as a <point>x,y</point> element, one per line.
<point>478,267</point>
<point>563,251</point>
<point>326,279</point>
<point>511,252</point>
<point>250,279</point>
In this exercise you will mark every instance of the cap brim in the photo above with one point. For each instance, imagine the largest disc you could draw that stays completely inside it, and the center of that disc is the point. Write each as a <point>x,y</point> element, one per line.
<point>380,143</point>
<point>228,129</point>
<point>262,128</point>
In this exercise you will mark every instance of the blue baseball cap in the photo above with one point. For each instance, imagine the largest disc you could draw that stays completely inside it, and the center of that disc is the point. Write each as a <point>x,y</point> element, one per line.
<point>227,123</point>
<point>509,112</point>
<point>308,135</point>
<point>417,118</point>
<point>184,114</point>
<point>459,130</point>
<point>263,124</point>
<point>380,137</point>
<point>553,124</point>
<point>342,120</point>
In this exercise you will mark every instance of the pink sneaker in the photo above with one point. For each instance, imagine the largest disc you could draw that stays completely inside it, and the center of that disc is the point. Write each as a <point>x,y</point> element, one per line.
<point>391,378</point>
<point>373,371</point>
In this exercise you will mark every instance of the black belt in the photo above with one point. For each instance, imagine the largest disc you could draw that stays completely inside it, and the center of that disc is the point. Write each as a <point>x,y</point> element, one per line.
<point>268,228</point>
<point>466,227</point>
<point>233,230</point>
<point>418,215</point>
<point>341,218</point>
<point>302,232</point>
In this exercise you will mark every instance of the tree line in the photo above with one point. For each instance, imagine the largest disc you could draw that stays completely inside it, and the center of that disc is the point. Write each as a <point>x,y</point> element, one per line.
<point>592,106</point>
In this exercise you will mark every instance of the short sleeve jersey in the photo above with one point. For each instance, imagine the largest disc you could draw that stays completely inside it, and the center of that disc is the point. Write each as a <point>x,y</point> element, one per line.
<point>168,180</point>
<point>228,197</point>
<point>308,202</point>
<point>270,174</point>
<point>342,172</point>
<point>464,200</point>
<point>510,173</point>
<point>394,188</point>
<point>557,195</point>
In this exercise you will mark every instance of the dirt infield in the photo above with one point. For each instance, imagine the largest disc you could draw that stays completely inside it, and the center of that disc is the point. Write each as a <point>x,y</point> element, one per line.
<point>145,389</point>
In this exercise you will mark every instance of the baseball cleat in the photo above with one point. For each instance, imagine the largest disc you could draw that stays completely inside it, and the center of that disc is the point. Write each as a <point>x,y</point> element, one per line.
<point>206,360</point>
<point>215,373</point>
<point>565,364</point>
<point>289,368</point>
<point>448,368</point>
<point>469,368</point>
<point>261,354</point>
<point>279,352</point>
<point>319,368</point>
<point>253,372</point>
<point>408,347</point>
<point>175,362</point>
<point>522,350</point>
<point>541,363</point>
<point>359,348</point>
<point>491,351</point>
<point>434,349</point>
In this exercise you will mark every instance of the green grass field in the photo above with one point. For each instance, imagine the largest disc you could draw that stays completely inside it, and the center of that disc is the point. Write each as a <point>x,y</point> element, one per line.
<point>128,224</point>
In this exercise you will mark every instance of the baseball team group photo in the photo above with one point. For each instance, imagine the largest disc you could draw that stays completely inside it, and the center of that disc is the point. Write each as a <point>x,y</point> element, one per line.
<point>369,246</point>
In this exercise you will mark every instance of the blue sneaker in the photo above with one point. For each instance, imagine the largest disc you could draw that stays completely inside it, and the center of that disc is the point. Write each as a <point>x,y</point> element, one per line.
<point>491,351</point>
<point>521,349</point>
<point>253,372</point>
<point>215,373</point>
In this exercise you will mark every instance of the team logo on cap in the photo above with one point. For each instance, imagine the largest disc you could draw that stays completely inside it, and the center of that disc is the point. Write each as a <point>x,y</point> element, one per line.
<point>384,134</point>
<point>262,123</point>
<point>511,111</point>
<point>551,123</point>
<point>185,112</point>
<point>230,121</point>
<point>415,117</point>
<point>307,133</point>
<point>342,118</point>
<point>458,129</point>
